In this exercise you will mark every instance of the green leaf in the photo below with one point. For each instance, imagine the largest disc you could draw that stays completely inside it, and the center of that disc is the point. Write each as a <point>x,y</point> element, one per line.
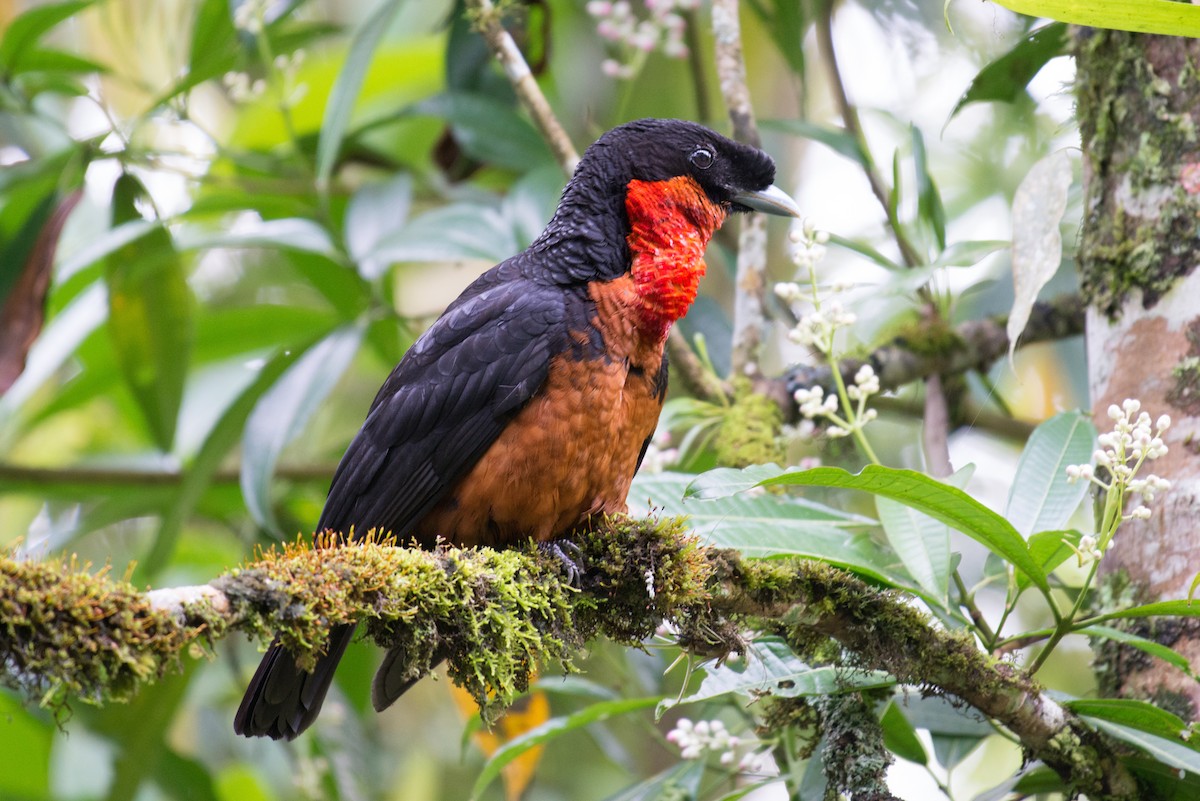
<point>929,200</point>
<point>149,316</point>
<point>940,501</point>
<point>225,433</point>
<point>1158,609</point>
<point>489,130</point>
<point>25,741</point>
<point>922,543</point>
<point>1050,549</point>
<point>679,782</point>
<point>900,737</point>
<point>1163,652</point>
<point>839,140</point>
<point>865,250</point>
<point>770,667</point>
<point>1169,751</point>
<point>44,59</point>
<point>1139,16</point>
<point>25,31</point>
<point>1037,211</point>
<point>1138,715</point>
<point>214,47</point>
<point>764,526</point>
<point>552,728</point>
<point>340,107</point>
<point>289,234</point>
<point>1041,497</point>
<point>968,254</point>
<point>282,413</point>
<point>460,231</point>
<point>375,211</point>
<point>1005,78</point>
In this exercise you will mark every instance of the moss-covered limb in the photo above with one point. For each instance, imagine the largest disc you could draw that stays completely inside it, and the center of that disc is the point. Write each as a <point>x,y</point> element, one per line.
<point>494,614</point>
<point>855,759</point>
<point>878,630</point>
<point>1138,108</point>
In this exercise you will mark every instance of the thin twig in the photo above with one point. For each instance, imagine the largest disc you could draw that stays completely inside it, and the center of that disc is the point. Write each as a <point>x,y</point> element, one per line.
<point>748,315</point>
<point>849,113</point>
<point>521,77</point>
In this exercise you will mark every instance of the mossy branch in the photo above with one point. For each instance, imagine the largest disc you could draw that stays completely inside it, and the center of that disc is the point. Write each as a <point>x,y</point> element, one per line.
<point>66,633</point>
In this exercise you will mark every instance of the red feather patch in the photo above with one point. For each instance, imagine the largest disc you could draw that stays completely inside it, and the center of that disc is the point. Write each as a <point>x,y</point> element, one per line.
<point>671,222</point>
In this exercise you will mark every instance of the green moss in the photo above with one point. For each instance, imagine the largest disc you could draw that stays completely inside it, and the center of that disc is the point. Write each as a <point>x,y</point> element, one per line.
<point>1138,133</point>
<point>749,432</point>
<point>68,632</point>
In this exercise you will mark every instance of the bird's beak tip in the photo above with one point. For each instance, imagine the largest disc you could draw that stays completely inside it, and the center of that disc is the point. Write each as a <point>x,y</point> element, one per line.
<point>771,200</point>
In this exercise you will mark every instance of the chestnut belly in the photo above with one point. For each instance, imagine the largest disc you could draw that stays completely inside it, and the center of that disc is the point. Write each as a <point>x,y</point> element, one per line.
<point>568,455</point>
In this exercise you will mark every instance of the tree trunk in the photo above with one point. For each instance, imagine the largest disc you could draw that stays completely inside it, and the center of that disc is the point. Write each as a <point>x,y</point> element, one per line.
<point>1139,109</point>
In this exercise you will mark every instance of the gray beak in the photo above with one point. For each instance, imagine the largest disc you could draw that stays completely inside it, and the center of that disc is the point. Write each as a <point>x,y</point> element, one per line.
<point>771,200</point>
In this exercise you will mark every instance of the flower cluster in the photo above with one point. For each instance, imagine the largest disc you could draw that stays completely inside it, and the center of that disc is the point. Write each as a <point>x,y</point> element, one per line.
<point>814,403</point>
<point>1132,442</point>
<point>250,16</point>
<point>662,27</point>
<point>242,88</point>
<point>816,328</point>
<point>697,739</point>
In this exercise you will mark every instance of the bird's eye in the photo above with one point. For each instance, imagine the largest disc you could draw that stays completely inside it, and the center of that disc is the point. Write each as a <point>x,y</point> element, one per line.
<point>701,157</point>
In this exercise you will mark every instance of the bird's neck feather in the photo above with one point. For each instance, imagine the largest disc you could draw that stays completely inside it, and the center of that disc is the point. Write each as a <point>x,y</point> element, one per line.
<point>670,224</point>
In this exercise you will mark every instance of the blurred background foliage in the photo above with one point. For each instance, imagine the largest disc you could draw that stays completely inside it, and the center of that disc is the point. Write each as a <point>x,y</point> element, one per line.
<point>257,206</point>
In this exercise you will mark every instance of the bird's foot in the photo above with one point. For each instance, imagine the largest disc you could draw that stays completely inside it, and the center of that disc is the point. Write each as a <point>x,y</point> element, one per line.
<point>569,555</point>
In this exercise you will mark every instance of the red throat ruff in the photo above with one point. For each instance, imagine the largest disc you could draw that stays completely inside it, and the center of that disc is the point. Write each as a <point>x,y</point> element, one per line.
<point>670,224</point>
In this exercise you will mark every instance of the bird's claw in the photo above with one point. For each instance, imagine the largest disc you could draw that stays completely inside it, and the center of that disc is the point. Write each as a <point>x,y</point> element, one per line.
<point>559,549</point>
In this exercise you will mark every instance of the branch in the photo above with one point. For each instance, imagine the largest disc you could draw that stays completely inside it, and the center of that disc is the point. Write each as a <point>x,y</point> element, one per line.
<point>488,22</point>
<point>748,316</point>
<point>823,25</point>
<point>66,633</point>
<point>973,345</point>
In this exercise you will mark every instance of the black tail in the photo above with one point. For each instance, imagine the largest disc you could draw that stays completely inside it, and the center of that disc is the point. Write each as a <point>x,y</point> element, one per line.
<point>283,700</point>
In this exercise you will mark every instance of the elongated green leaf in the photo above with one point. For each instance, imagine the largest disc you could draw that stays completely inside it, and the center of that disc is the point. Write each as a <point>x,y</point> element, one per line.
<point>1040,497</point>
<point>214,47</point>
<point>489,130</point>
<point>966,254</point>
<point>929,200</point>
<point>149,316</point>
<point>225,433</point>
<point>28,28</point>
<point>1050,549</point>
<point>45,59</point>
<point>680,782</point>
<point>764,526</point>
<point>1138,715</point>
<point>922,543</point>
<point>1163,652</point>
<point>283,412</point>
<point>1172,752</point>
<point>900,737</point>
<point>837,139</point>
<point>940,501</point>
<point>375,211</point>
<point>1038,207</point>
<point>771,668</point>
<point>1006,78</point>
<point>290,234</point>
<point>865,250</point>
<point>1158,609</point>
<point>340,108</point>
<point>552,728</point>
<point>1139,16</point>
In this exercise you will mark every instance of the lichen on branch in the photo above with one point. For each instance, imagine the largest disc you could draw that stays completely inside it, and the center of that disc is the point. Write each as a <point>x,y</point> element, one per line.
<point>495,615</point>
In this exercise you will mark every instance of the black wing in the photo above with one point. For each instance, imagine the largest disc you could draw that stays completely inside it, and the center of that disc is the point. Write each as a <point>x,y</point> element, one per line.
<point>446,402</point>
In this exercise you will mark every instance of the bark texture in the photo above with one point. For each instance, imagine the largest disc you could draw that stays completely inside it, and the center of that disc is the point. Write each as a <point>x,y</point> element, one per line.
<point>1139,109</point>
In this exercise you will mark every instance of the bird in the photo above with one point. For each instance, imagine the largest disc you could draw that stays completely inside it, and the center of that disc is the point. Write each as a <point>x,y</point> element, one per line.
<point>524,411</point>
